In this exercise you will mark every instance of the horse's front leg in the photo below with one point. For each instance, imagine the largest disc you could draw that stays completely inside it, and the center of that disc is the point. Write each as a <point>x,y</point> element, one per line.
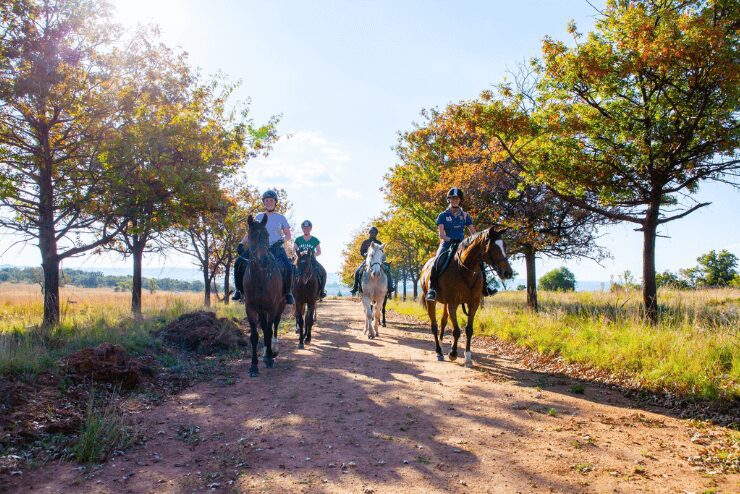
<point>266,324</point>
<point>452,309</point>
<point>254,339</point>
<point>385,300</point>
<point>432,313</point>
<point>309,320</point>
<point>472,309</point>
<point>300,324</point>
<point>275,326</point>
<point>367,305</point>
<point>376,316</point>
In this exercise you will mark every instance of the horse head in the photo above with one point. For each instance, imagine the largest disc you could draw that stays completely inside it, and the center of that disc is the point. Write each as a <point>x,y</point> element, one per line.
<point>495,254</point>
<point>258,238</point>
<point>375,259</point>
<point>304,265</point>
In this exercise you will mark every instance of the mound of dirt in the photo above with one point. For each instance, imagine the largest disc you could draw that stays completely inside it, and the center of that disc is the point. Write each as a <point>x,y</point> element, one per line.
<point>106,363</point>
<point>203,332</point>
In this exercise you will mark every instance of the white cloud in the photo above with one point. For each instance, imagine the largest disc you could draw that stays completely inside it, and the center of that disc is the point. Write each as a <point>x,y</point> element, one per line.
<point>304,159</point>
<point>345,193</point>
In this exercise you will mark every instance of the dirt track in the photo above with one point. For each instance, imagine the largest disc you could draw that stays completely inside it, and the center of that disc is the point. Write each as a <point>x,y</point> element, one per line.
<point>352,415</point>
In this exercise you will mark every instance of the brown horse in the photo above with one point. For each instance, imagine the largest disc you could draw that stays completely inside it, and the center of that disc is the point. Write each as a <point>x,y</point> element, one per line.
<point>306,294</point>
<point>462,284</point>
<point>263,292</point>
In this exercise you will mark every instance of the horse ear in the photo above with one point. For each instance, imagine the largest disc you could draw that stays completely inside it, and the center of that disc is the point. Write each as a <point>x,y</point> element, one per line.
<point>250,220</point>
<point>264,220</point>
<point>381,246</point>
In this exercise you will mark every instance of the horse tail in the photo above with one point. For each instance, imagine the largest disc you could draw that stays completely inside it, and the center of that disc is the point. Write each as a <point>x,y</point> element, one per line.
<point>464,308</point>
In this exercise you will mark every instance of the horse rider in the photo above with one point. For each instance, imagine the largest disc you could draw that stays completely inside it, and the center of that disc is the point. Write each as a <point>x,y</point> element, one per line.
<point>372,239</point>
<point>278,230</point>
<point>309,242</point>
<point>451,225</point>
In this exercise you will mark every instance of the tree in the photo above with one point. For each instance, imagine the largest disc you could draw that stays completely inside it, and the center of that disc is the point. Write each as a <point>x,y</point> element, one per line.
<point>483,146</point>
<point>716,269</point>
<point>640,113</point>
<point>558,280</point>
<point>55,79</point>
<point>669,279</point>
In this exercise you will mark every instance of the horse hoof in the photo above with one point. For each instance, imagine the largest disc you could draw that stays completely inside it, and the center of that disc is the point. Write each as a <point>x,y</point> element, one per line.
<point>383,324</point>
<point>300,346</point>
<point>469,364</point>
<point>440,357</point>
<point>253,371</point>
<point>453,356</point>
<point>307,340</point>
<point>269,363</point>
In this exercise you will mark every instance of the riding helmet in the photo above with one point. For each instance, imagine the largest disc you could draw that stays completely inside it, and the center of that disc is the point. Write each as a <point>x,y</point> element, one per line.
<point>270,194</point>
<point>373,230</point>
<point>307,223</point>
<point>455,192</point>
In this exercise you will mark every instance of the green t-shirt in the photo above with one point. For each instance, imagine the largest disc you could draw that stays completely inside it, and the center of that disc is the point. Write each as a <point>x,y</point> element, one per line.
<point>303,244</point>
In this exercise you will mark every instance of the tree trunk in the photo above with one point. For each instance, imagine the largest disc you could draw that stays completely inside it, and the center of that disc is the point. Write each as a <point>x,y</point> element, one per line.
<point>649,287</point>
<point>529,257</point>
<point>415,280</point>
<point>137,253</point>
<point>50,265</point>
<point>207,282</point>
<point>403,273</point>
<point>47,236</point>
<point>227,283</point>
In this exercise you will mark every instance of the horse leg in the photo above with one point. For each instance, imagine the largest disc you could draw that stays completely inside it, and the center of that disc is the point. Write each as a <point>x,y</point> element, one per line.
<point>472,308</point>
<point>376,317</point>
<point>452,308</point>
<point>443,323</point>
<point>385,301</point>
<point>309,320</point>
<point>299,323</point>
<point>432,313</point>
<point>368,314</point>
<point>275,325</point>
<point>254,339</point>
<point>267,334</point>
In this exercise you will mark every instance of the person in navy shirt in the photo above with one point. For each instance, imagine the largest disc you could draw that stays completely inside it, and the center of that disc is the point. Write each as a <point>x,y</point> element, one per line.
<point>451,224</point>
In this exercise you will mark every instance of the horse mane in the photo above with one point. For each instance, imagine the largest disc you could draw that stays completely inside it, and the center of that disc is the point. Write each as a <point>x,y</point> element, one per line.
<point>468,241</point>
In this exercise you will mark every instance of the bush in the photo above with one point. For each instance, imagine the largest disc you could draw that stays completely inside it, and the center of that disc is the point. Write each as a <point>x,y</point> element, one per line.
<point>558,280</point>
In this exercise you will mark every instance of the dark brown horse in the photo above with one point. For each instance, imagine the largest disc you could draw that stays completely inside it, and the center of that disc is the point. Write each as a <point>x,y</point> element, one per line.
<point>306,294</point>
<point>263,293</point>
<point>462,284</point>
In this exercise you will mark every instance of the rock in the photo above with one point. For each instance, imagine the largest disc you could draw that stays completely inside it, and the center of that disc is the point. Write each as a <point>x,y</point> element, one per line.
<point>203,332</point>
<point>105,363</point>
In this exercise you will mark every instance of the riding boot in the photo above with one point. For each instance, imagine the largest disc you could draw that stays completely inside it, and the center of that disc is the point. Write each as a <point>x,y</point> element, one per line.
<point>240,266</point>
<point>391,286</point>
<point>322,281</point>
<point>432,293</point>
<point>356,286</point>
<point>288,286</point>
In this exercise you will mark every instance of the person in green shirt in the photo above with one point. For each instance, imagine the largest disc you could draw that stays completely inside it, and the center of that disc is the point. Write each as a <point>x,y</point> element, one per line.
<point>309,242</point>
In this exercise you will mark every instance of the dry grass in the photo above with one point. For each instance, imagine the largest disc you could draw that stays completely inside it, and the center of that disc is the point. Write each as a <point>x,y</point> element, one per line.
<point>89,316</point>
<point>695,350</point>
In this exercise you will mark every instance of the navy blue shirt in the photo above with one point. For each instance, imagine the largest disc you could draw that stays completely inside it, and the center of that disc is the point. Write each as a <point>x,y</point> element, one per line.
<point>454,225</point>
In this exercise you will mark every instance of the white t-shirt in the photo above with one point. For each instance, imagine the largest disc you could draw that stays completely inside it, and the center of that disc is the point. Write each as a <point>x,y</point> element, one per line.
<point>275,224</point>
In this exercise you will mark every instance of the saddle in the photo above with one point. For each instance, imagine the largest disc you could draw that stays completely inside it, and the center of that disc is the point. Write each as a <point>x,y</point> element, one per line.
<point>444,258</point>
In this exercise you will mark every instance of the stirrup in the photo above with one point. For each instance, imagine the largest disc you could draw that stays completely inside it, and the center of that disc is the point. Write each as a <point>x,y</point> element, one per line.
<point>289,299</point>
<point>432,295</point>
<point>488,291</point>
<point>322,294</point>
<point>237,295</point>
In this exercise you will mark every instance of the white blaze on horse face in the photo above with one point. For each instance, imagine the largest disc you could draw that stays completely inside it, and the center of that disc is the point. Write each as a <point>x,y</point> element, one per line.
<point>500,244</point>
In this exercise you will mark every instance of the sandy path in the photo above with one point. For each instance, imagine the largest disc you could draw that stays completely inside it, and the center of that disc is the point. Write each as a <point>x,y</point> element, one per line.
<point>352,415</point>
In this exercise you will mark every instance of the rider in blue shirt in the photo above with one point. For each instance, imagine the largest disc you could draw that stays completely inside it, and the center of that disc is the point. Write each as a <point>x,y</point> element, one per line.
<point>451,224</point>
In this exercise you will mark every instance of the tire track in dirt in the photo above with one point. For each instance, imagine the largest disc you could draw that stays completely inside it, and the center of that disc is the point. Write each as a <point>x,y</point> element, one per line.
<point>348,414</point>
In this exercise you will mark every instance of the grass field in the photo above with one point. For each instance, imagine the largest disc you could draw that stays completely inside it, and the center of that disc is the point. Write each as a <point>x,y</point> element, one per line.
<point>88,317</point>
<point>694,351</point>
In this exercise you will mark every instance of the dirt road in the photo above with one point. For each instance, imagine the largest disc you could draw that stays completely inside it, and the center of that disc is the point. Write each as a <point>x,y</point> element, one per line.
<point>348,414</point>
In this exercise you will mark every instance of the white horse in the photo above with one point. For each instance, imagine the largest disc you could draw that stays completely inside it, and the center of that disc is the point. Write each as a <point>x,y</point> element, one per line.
<point>374,288</point>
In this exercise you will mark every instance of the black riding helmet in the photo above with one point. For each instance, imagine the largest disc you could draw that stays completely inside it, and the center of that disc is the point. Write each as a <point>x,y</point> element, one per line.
<point>307,223</point>
<point>373,231</point>
<point>455,192</point>
<point>270,194</point>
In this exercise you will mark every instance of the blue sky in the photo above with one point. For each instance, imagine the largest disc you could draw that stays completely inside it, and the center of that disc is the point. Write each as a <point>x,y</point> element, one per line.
<point>348,75</point>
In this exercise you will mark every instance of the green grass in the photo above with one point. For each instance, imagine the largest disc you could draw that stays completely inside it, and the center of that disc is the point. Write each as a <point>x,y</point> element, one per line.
<point>102,432</point>
<point>694,351</point>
